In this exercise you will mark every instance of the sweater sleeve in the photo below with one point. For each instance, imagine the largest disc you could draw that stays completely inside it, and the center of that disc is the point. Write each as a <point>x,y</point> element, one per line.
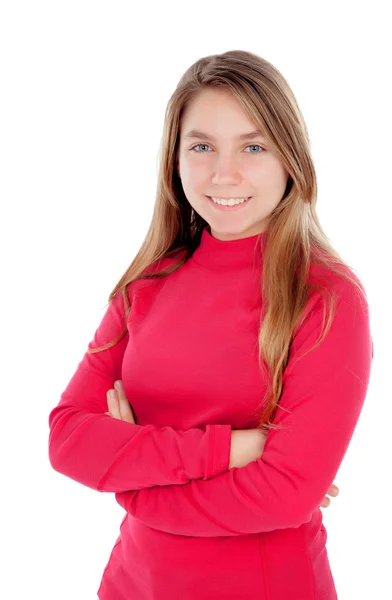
<point>110,455</point>
<point>322,398</point>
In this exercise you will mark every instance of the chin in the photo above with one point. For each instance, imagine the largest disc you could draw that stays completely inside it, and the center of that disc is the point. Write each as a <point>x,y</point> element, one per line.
<point>229,232</point>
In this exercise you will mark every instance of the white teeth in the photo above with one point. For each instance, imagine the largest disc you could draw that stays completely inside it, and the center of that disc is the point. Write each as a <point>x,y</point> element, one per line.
<point>230,202</point>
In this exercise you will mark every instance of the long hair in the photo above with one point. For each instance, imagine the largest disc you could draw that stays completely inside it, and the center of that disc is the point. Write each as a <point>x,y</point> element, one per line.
<point>295,240</point>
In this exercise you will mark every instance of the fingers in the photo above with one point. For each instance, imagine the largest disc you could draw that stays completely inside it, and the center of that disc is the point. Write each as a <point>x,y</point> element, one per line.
<point>123,403</point>
<point>113,404</point>
<point>333,490</point>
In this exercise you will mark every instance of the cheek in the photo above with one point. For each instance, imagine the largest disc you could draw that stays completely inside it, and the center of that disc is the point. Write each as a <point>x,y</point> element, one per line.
<point>193,172</point>
<point>270,180</point>
<point>276,175</point>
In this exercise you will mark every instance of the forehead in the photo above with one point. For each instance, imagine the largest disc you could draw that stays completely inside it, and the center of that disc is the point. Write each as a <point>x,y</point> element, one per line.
<point>214,115</point>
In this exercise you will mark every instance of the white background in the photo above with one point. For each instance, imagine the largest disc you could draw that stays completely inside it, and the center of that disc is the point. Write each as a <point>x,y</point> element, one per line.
<point>84,86</point>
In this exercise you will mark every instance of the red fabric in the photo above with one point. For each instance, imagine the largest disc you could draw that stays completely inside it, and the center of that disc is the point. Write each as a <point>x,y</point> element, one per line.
<point>194,529</point>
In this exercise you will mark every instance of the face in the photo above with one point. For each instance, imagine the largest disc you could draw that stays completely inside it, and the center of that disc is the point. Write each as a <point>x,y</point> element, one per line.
<point>222,165</point>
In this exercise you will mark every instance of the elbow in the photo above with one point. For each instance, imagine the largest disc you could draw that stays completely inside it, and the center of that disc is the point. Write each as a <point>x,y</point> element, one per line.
<point>60,426</point>
<point>53,456</point>
<point>54,444</point>
<point>299,510</point>
<point>294,512</point>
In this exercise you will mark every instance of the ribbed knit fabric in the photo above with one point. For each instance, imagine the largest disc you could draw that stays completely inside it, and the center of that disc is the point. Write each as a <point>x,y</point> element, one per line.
<point>193,529</point>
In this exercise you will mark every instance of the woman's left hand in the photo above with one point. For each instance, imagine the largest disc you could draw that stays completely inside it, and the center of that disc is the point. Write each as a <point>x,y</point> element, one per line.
<point>118,404</point>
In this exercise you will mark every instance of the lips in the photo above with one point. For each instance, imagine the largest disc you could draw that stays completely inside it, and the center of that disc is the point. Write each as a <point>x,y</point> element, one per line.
<point>228,207</point>
<point>221,198</point>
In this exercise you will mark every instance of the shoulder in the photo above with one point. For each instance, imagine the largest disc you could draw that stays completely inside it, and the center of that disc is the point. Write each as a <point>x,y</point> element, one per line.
<point>346,285</point>
<point>344,292</point>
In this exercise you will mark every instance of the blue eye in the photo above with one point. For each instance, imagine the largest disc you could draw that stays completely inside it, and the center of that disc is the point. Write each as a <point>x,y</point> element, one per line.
<point>250,146</point>
<point>255,146</point>
<point>197,146</point>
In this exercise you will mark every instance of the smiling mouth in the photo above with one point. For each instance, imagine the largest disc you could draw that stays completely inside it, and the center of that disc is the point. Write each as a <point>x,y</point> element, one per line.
<point>229,206</point>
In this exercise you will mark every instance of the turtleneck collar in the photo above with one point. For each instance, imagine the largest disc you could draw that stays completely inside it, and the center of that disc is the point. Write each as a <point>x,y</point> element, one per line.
<point>217,254</point>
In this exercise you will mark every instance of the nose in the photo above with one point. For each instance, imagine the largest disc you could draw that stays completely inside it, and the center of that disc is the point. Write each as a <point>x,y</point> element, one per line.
<point>226,171</point>
<point>226,176</point>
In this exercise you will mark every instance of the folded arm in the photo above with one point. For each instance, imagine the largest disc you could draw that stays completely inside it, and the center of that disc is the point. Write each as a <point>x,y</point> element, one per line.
<point>323,395</point>
<point>110,455</point>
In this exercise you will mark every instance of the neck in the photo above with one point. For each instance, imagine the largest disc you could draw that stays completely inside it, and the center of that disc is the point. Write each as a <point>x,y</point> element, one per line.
<point>229,254</point>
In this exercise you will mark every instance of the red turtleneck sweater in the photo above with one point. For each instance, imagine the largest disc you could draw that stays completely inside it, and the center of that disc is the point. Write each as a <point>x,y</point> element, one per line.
<point>189,363</point>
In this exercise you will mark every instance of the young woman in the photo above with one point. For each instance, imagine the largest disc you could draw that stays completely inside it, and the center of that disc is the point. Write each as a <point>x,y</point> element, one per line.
<point>243,343</point>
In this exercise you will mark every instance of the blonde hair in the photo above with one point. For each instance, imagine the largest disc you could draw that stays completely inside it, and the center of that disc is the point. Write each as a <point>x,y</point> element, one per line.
<point>294,240</point>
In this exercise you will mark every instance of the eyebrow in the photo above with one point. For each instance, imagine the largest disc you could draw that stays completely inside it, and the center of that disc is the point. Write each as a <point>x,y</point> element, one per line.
<point>194,133</point>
